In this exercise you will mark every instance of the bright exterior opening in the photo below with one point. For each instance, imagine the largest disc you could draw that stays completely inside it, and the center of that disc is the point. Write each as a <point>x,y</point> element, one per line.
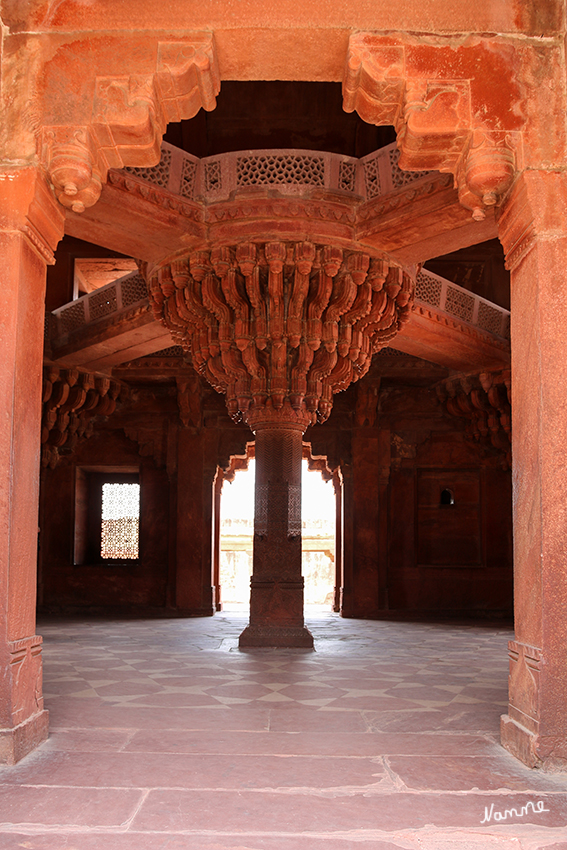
<point>237,536</point>
<point>120,521</point>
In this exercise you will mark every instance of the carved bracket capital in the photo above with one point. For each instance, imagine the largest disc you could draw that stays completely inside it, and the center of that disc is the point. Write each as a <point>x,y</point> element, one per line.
<point>128,118</point>
<point>433,101</point>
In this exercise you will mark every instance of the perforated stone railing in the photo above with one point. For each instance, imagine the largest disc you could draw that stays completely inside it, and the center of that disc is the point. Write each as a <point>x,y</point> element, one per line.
<point>130,291</point>
<point>126,293</point>
<point>461,304</point>
<point>214,178</point>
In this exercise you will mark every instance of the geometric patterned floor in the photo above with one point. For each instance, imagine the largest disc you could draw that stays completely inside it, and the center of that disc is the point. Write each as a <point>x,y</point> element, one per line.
<point>166,736</point>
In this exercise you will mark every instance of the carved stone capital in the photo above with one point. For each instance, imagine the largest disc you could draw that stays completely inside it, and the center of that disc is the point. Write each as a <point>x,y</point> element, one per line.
<point>280,327</point>
<point>28,206</point>
<point>535,208</point>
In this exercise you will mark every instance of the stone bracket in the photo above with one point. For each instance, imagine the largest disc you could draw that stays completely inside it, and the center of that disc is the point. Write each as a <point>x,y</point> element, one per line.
<point>70,401</point>
<point>128,119</point>
<point>438,115</point>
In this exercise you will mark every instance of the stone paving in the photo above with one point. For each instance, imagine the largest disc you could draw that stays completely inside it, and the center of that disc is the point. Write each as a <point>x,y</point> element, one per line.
<point>166,736</point>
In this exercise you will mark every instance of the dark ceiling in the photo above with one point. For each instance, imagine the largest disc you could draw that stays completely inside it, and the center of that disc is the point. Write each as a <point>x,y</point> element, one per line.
<point>277,114</point>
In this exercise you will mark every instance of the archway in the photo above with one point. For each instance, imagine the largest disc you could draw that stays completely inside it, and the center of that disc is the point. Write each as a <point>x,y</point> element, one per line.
<point>236,533</point>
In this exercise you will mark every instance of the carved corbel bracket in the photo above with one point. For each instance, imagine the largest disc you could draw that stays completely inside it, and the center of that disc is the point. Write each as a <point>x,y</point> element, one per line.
<point>484,402</point>
<point>70,155</point>
<point>427,96</point>
<point>70,401</point>
<point>128,119</point>
<point>487,170</point>
<point>374,79</point>
<point>434,126</point>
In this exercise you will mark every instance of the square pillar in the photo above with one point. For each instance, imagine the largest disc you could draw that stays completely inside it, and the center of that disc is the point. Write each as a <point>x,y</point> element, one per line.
<point>533,230</point>
<point>196,471</point>
<point>276,586</point>
<point>364,563</point>
<point>30,226</point>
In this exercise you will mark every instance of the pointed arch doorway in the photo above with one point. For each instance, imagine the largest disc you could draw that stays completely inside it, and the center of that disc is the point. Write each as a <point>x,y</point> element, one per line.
<point>233,531</point>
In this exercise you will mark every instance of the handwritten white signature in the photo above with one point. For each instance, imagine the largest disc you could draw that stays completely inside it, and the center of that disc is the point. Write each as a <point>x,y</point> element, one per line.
<point>536,808</point>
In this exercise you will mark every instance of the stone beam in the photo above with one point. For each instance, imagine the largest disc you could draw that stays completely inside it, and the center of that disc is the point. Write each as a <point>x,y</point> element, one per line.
<point>413,225</point>
<point>434,336</point>
<point>107,343</point>
<point>421,221</point>
<point>139,225</point>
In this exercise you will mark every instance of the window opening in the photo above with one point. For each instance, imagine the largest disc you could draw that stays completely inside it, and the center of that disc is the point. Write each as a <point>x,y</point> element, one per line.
<point>120,521</point>
<point>107,520</point>
<point>447,497</point>
<point>236,538</point>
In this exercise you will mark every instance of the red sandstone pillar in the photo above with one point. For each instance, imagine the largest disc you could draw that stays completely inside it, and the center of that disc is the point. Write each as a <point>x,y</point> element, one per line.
<point>338,488</point>
<point>533,230</point>
<point>30,226</point>
<point>219,479</point>
<point>196,470</point>
<point>276,586</point>
<point>362,557</point>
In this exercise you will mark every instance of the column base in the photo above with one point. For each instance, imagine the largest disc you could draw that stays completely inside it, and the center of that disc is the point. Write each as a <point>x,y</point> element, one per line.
<point>18,742</point>
<point>534,750</point>
<point>519,741</point>
<point>276,636</point>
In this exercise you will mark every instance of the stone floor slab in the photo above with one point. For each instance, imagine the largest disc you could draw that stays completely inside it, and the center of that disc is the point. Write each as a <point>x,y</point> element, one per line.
<point>165,736</point>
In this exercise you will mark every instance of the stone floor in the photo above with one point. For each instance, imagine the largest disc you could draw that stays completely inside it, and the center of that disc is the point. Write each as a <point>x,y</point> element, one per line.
<point>164,736</point>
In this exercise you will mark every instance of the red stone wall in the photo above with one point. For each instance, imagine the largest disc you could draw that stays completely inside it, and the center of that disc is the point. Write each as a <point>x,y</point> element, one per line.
<point>402,551</point>
<point>137,585</point>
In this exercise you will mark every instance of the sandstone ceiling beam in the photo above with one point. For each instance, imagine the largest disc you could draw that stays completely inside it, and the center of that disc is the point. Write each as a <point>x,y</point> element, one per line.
<point>421,221</point>
<point>413,224</point>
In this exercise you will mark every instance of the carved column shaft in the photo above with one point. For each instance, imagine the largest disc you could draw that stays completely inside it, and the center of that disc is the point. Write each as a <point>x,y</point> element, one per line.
<point>532,230</point>
<point>276,587</point>
<point>30,228</point>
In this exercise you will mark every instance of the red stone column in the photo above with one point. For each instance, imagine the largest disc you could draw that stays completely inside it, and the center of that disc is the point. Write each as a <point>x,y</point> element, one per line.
<point>276,586</point>
<point>194,592</point>
<point>219,480</point>
<point>30,226</point>
<point>338,488</point>
<point>362,484</point>
<point>533,230</point>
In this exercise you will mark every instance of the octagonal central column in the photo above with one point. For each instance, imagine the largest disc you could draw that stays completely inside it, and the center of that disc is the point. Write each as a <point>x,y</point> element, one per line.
<point>279,328</point>
<point>276,586</point>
